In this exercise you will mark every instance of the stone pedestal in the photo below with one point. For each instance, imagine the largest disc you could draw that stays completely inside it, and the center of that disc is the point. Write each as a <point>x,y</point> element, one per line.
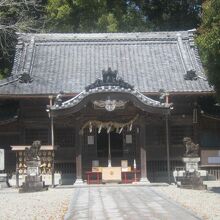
<point>33,184</point>
<point>33,180</point>
<point>191,163</point>
<point>33,167</point>
<point>191,178</point>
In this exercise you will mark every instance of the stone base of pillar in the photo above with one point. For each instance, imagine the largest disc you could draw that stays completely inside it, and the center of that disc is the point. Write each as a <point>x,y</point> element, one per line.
<point>144,180</point>
<point>78,182</point>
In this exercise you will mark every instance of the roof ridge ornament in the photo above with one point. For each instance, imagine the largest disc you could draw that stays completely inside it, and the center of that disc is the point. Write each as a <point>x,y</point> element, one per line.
<point>58,100</point>
<point>25,77</point>
<point>190,75</point>
<point>109,78</point>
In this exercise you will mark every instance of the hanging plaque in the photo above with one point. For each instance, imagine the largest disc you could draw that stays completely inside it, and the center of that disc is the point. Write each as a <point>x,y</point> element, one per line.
<point>90,140</point>
<point>2,159</point>
<point>95,163</point>
<point>128,139</point>
<point>124,165</point>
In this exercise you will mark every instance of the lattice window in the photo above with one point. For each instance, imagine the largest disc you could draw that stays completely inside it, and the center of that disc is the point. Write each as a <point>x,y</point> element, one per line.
<point>177,133</point>
<point>155,135</point>
<point>37,134</point>
<point>210,137</point>
<point>6,140</point>
<point>64,137</point>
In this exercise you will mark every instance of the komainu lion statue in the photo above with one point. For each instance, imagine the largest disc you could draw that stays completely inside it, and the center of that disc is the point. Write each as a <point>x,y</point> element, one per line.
<point>32,152</point>
<point>192,149</point>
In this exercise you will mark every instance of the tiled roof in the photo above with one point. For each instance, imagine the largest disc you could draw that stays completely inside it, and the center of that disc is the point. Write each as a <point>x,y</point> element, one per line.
<point>69,62</point>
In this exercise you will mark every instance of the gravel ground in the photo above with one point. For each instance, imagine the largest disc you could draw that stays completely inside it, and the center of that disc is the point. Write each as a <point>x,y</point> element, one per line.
<point>204,203</point>
<point>53,204</point>
<point>48,205</point>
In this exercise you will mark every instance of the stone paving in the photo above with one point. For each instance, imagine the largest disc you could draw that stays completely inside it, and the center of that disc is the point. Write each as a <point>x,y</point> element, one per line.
<point>127,202</point>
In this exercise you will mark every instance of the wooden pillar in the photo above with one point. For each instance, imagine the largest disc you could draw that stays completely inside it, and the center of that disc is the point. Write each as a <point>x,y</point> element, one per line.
<point>52,139</point>
<point>22,141</point>
<point>78,147</point>
<point>52,143</point>
<point>167,147</point>
<point>17,170</point>
<point>78,161</point>
<point>143,156</point>
<point>195,124</point>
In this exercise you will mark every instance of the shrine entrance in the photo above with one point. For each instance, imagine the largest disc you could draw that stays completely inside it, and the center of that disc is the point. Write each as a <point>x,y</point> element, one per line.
<point>109,117</point>
<point>109,143</point>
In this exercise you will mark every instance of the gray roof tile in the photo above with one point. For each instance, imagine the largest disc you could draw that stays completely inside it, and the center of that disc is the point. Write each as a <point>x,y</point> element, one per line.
<point>69,62</point>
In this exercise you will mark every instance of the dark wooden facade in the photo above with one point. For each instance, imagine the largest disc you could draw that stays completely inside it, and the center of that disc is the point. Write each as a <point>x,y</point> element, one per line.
<point>33,123</point>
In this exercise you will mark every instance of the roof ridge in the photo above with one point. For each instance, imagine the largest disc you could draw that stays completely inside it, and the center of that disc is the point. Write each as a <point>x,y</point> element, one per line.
<point>111,33</point>
<point>104,36</point>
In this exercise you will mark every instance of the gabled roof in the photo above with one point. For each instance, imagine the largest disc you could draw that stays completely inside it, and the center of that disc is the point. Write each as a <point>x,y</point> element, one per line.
<point>50,63</point>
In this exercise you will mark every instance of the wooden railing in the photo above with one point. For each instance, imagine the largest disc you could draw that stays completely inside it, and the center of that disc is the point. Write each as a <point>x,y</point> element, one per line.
<point>64,168</point>
<point>157,169</point>
<point>213,171</point>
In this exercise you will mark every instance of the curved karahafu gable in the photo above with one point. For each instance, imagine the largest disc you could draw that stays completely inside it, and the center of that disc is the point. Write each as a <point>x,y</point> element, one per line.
<point>108,90</point>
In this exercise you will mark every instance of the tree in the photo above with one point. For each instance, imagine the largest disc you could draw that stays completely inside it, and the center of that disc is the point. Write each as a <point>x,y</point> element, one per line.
<point>90,16</point>
<point>173,15</point>
<point>75,16</point>
<point>209,42</point>
<point>95,16</point>
<point>122,15</point>
<point>16,16</point>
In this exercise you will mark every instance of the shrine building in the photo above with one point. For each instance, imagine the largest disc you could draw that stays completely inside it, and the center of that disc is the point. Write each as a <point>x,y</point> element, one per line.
<point>120,101</point>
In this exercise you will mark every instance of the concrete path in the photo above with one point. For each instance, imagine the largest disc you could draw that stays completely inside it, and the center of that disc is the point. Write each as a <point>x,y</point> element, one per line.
<point>127,202</point>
